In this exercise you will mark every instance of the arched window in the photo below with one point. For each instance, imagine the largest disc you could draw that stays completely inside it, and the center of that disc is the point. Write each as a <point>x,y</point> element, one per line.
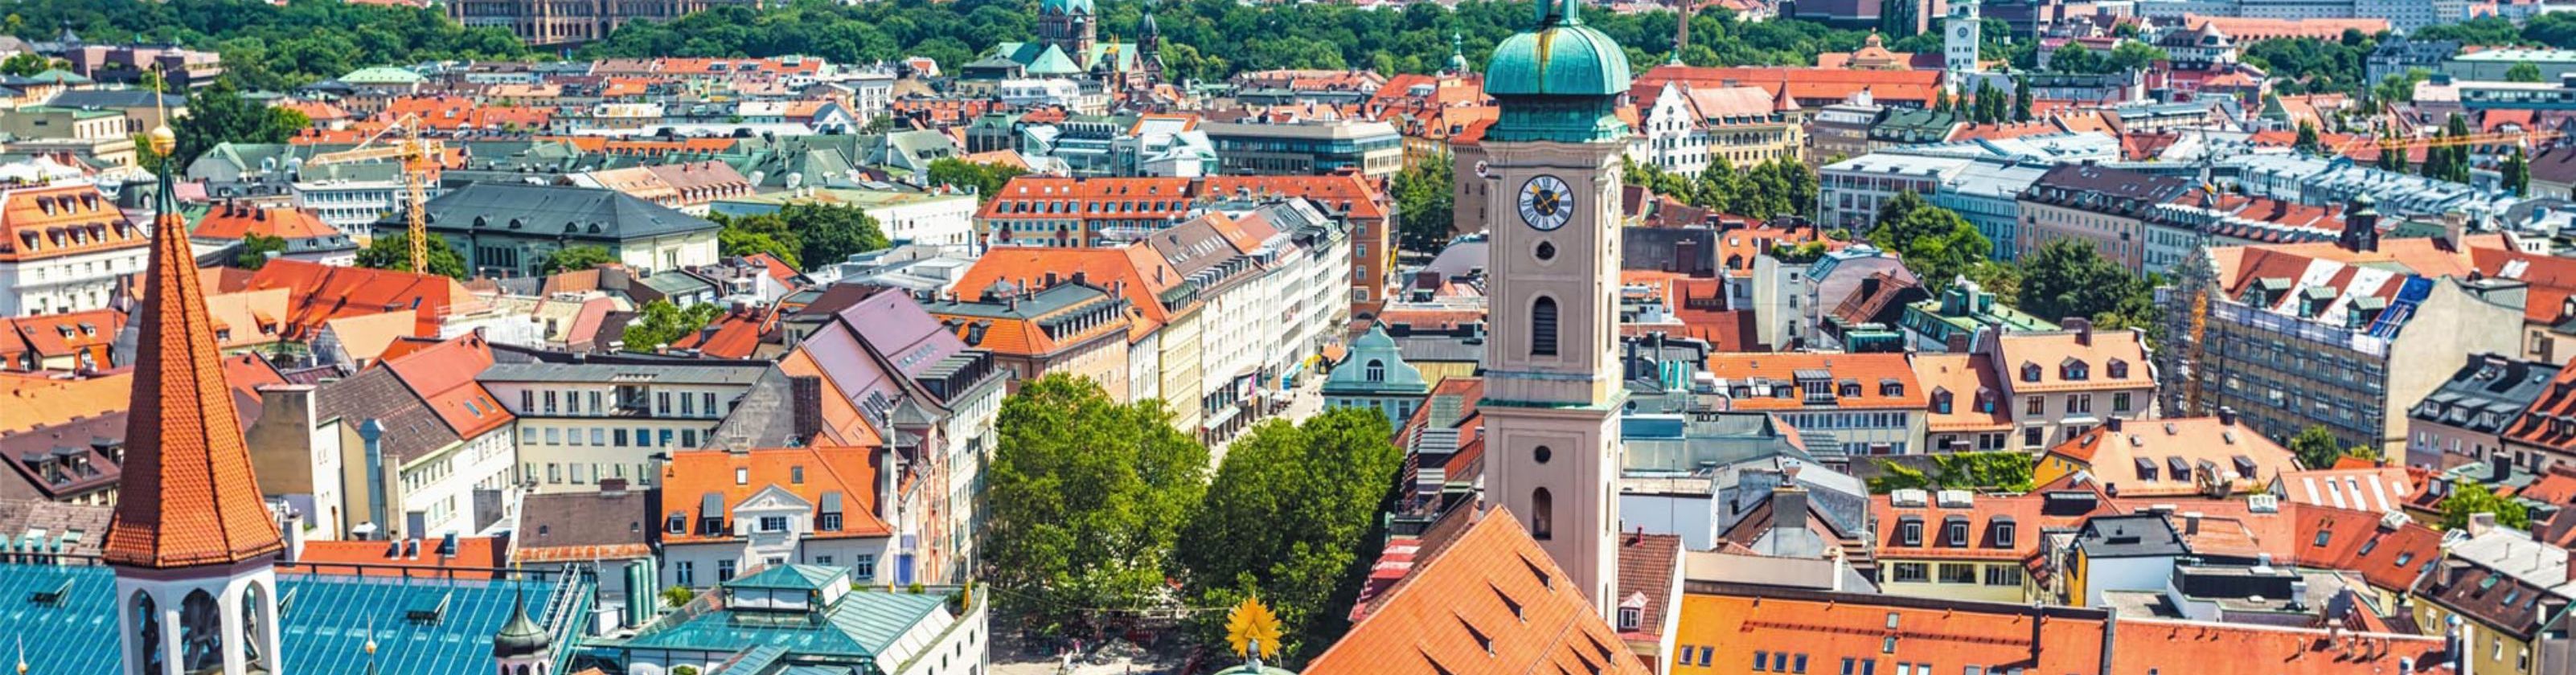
<point>1542,515</point>
<point>523,669</point>
<point>1543,327</point>
<point>147,631</point>
<point>253,633</point>
<point>1376,370</point>
<point>201,633</point>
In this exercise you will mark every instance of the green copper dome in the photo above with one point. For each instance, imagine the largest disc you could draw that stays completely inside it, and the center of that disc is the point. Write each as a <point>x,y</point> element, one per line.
<point>1568,59</point>
<point>1560,83</point>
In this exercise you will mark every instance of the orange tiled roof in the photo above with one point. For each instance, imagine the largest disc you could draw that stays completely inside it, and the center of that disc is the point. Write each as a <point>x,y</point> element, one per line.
<point>474,558</point>
<point>34,401</point>
<point>188,495</point>
<point>1969,381</point>
<point>808,472</point>
<point>443,375</point>
<point>1871,371</point>
<point>66,334</point>
<point>2201,444</point>
<point>37,223</point>
<point>1491,602</point>
<point>233,222</point>
<point>319,293</point>
<point>2038,361</point>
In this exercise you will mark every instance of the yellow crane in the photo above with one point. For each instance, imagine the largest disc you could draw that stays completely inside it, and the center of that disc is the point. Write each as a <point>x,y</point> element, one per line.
<point>416,155</point>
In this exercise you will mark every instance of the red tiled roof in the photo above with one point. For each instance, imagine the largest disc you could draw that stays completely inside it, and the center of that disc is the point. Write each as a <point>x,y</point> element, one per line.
<point>2202,444</point>
<point>1870,371</point>
<point>230,222</point>
<point>808,472</point>
<point>319,293</point>
<point>475,558</point>
<point>443,375</point>
<point>1649,566</point>
<point>1491,602</point>
<point>189,496</point>
<point>54,221</point>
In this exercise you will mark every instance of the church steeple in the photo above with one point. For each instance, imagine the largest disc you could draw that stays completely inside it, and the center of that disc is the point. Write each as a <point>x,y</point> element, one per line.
<point>192,540</point>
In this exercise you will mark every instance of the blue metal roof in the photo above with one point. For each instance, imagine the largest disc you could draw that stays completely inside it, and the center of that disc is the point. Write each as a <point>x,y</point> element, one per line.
<point>862,624</point>
<point>325,620</point>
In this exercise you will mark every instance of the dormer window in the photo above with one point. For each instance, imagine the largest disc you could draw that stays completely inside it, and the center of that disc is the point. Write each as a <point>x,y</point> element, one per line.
<point>1848,390</point>
<point>1954,532</point>
<point>1909,531</point>
<point>1630,617</point>
<point>1940,401</point>
<point>2030,372</point>
<point>2003,527</point>
<point>2118,369</point>
<point>1891,388</point>
<point>2075,370</point>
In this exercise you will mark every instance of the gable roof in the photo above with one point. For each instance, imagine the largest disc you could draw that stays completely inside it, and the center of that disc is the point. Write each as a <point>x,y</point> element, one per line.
<point>1491,602</point>
<point>826,477</point>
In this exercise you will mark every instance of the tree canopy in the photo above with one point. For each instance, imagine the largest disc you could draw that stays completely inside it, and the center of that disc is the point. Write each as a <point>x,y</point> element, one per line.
<point>1425,205</point>
<point>2066,278</point>
<point>799,233</point>
<point>1934,242</point>
<point>393,252</point>
<point>270,46</point>
<point>1085,499</point>
<point>2470,497</point>
<point>1290,523</point>
<point>662,323</point>
<point>218,114</point>
<point>1999,470</point>
<point>255,249</point>
<point>986,179</point>
<point>575,258</point>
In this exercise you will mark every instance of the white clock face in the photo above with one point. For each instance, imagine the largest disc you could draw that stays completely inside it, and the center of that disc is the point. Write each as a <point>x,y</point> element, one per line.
<point>1546,203</point>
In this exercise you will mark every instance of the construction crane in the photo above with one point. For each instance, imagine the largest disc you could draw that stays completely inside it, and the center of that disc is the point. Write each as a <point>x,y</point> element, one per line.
<point>2526,139</point>
<point>416,156</point>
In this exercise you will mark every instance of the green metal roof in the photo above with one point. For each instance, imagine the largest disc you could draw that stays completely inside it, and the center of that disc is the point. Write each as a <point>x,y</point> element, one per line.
<point>789,577</point>
<point>862,624</point>
<point>1053,62</point>
<point>1560,82</point>
<point>381,75</point>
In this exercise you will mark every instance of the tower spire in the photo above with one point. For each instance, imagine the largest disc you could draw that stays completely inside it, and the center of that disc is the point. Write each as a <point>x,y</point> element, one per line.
<point>189,497</point>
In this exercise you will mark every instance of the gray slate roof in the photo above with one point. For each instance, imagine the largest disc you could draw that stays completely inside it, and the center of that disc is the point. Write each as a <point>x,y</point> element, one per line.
<point>580,213</point>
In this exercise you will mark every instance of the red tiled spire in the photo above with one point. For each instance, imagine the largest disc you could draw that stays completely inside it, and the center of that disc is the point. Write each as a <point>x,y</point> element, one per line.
<point>188,497</point>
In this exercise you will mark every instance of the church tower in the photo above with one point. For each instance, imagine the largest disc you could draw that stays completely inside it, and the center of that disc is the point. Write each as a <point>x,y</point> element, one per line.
<point>1552,391</point>
<point>192,541</point>
<point>1149,49</point>
<point>1068,25</point>
<point>523,647</point>
<point>1959,42</point>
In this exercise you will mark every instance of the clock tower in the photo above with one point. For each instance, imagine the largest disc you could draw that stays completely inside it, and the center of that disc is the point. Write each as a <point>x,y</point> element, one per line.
<point>1959,42</point>
<point>1552,390</point>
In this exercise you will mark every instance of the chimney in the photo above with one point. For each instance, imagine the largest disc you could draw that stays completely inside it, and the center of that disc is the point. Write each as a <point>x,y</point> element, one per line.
<point>2191,522</point>
<point>1956,343</point>
<point>294,535</point>
<point>2455,227</point>
<point>2110,632</point>
<point>2226,416</point>
<point>2498,468</point>
<point>2112,424</point>
<point>1788,507</point>
<point>2083,328</point>
<point>805,395</point>
<point>2480,523</point>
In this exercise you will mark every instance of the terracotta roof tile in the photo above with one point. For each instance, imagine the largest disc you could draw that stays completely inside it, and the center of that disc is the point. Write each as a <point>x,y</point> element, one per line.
<point>2138,459</point>
<point>810,473</point>
<point>1872,372</point>
<point>1492,602</point>
<point>188,496</point>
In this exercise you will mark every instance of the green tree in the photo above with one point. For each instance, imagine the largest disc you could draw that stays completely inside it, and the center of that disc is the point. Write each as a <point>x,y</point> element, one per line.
<point>2000,279</point>
<point>393,252</point>
<point>575,258</point>
<point>2134,55</point>
<point>1425,204</point>
<point>662,323</point>
<point>732,241</point>
<point>1291,523</point>
<point>986,179</point>
<point>2523,72</point>
<point>1934,242</point>
<point>676,596</point>
<point>2316,447</point>
<point>2066,278</point>
<point>24,64</point>
<point>831,234</point>
<point>1085,500</point>
<point>2470,497</point>
<point>2008,471</point>
<point>2021,99</point>
<point>2307,142</point>
<point>2517,172</point>
<point>255,249</point>
<point>219,114</point>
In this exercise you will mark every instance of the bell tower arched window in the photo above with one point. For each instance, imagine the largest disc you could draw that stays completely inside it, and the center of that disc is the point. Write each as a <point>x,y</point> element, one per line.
<point>1542,515</point>
<point>1543,327</point>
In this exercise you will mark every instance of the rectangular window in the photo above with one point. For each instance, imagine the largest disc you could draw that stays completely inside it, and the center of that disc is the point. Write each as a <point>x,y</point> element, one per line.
<point>598,436</point>
<point>773,523</point>
<point>527,400</point>
<point>620,436</point>
<point>554,473</point>
<point>1958,573</point>
<point>685,572</point>
<point>707,402</point>
<point>2003,575</point>
<point>1761,661</point>
<point>1911,572</point>
<point>724,571</point>
<point>661,403</point>
<point>2035,406</point>
<point>594,402</point>
<point>550,403</point>
<point>2120,402</point>
<point>688,405</point>
<point>863,567</point>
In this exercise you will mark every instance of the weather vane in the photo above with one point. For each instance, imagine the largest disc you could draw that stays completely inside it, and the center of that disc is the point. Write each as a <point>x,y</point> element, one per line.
<point>1252,630</point>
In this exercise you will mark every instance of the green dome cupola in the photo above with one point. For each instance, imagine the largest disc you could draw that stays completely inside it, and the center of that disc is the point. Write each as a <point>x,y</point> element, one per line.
<point>1561,82</point>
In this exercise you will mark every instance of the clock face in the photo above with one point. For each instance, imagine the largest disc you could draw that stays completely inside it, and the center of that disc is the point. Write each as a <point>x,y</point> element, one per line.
<point>1963,31</point>
<point>1546,203</point>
